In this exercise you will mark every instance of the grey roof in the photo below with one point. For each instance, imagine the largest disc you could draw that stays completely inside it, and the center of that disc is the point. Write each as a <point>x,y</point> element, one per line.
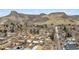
<point>71,47</point>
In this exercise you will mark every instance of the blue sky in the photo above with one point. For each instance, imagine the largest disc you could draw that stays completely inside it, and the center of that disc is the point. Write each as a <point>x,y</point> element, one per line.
<point>4,12</point>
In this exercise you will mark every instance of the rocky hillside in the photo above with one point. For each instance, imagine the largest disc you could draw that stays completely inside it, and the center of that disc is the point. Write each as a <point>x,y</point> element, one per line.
<point>52,18</point>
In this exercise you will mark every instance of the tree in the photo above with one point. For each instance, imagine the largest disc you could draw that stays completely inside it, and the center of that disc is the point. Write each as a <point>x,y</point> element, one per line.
<point>68,35</point>
<point>5,31</point>
<point>12,29</point>
<point>0,30</point>
<point>31,31</point>
<point>51,36</point>
<point>37,31</point>
<point>65,29</point>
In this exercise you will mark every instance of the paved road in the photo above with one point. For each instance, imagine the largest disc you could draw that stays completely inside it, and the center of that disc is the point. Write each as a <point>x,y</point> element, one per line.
<point>58,39</point>
<point>56,30</point>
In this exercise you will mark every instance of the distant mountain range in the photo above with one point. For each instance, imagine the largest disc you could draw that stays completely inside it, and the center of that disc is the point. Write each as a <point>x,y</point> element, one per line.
<point>52,18</point>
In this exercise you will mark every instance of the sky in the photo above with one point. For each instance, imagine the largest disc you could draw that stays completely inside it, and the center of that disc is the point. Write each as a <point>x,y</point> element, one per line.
<point>4,12</point>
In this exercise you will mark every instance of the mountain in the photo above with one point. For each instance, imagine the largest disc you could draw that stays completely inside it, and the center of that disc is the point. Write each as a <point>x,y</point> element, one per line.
<point>52,18</point>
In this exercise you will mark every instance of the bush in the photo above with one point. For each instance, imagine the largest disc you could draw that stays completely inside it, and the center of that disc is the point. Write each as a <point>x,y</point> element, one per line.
<point>51,36</point>
<point>68,35</point>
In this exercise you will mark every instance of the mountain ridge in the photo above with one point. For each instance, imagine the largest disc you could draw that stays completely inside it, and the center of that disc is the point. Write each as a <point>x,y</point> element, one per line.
<point>54,18</point>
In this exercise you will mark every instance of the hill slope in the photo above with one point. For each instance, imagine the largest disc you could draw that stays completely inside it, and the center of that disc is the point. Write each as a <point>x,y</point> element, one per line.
<point>52,18</point>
